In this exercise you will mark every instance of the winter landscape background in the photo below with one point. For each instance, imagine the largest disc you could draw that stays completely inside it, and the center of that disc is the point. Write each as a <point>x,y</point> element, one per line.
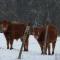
<point>34,52</point>
<point>35,11</point>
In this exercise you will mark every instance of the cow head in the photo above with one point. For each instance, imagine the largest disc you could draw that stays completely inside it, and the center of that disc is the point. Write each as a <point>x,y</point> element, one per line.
<point>4,25</point>
<point>37,31</point>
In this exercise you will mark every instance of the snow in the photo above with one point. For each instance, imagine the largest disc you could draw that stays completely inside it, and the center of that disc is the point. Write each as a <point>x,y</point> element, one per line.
<point>34,52</point>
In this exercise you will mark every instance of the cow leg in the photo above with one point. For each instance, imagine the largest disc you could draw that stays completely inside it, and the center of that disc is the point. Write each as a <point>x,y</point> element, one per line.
<point>49,49</point>
<point>53,47</point>
<point>11,43</point>
<point>26,45</point>
<point>41,49</point>
<point>41,46</point>
<point>45,49</point>
<point>7,44</point>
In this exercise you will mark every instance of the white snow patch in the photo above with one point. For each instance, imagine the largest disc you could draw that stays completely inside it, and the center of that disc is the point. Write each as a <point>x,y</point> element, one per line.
<point>34,52</point>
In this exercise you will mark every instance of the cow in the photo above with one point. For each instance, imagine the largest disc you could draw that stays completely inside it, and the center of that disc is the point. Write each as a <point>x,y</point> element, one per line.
<point>14,30</point>
<point>51,38</point>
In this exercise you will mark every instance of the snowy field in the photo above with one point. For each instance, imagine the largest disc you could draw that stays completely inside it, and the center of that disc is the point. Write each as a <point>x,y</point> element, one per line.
<point>34,52</point>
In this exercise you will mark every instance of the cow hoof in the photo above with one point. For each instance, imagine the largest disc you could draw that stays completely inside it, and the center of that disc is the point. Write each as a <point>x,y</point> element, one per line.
<point>41,53</point>
<point>45,53</point>
<point>11,48</point>
<point>25,49</point>
<point>49,53</point>
<point>7,47</point>
<point>52,53</point>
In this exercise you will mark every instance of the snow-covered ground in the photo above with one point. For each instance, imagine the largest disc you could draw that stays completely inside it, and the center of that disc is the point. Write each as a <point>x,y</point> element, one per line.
<point>34,52</point>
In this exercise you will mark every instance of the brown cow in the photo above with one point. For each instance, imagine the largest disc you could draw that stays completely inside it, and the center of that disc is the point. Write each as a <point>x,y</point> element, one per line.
<point>36,31</point>
<point>14,30</point>
<point>51,38</point>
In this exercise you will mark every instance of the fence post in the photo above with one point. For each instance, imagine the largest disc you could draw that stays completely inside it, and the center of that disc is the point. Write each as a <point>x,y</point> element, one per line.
<point>26,33</point>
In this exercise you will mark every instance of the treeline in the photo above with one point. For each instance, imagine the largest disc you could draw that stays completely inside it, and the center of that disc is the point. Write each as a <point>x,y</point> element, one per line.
<point>35,11</point>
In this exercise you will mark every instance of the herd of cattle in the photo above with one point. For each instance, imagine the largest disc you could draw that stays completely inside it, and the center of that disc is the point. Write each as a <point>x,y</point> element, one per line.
<point>44,35</point>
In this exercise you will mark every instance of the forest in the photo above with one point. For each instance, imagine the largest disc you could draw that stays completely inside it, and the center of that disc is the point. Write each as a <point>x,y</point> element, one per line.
<point>35,11</point>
